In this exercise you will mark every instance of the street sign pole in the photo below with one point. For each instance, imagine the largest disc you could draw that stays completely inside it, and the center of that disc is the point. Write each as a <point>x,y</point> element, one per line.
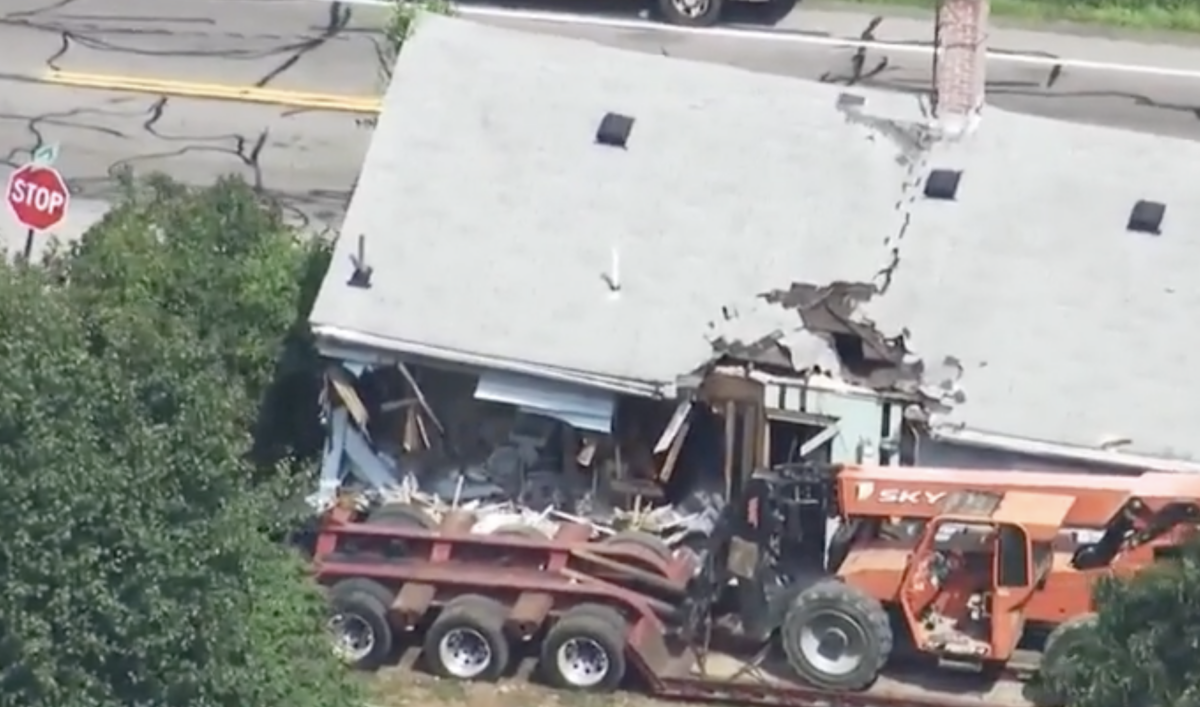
<point>28,244</point>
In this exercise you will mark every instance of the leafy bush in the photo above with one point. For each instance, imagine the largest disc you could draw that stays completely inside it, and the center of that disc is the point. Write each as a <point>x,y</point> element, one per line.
<point>135,564</point>
<point>1145,648</point>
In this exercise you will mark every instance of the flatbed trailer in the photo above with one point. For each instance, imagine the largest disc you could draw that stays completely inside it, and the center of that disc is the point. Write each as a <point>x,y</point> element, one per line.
<point>527,595</point>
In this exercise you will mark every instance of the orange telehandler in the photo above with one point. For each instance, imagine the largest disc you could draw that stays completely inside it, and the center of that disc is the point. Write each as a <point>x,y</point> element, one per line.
<point>956,564</point>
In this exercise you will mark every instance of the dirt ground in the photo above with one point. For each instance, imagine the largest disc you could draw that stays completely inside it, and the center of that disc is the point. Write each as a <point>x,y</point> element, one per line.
<point>400,687</point>
<point>406,687</point>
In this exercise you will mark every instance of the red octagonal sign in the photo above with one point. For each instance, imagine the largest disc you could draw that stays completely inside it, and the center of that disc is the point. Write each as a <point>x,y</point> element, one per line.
<point>37,196</point>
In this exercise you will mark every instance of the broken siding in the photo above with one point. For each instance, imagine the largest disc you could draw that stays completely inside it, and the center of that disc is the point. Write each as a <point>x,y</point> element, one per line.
<point>867,425</point>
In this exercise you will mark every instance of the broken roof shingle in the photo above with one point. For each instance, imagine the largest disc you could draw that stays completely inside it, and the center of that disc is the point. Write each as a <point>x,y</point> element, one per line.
<point>491,217</point>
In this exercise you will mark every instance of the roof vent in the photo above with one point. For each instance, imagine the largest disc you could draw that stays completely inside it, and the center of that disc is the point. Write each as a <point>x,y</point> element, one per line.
<point>614,130</point>
<point>943,184</point>
<point>850,101</point>
<point>1146,217</point>
<point>361,277</point>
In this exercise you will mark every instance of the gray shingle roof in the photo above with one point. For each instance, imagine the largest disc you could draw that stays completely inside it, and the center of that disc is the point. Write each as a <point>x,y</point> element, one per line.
<point>490,218</point>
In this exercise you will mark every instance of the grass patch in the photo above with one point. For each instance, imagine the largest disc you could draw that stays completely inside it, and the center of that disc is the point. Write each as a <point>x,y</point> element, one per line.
<point>1148,15</point>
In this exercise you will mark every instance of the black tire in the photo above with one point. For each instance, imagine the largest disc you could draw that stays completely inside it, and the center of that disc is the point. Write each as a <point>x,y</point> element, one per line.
<point>396,515</point>
<point>840,545</point>
<point>706,13</point>
<point>591,627</point>
<point>404,515</point>
<point>470,617</point>
<point>857,617</point>
<point>1060,647</point>
<point>519,530</point>
<point>363,604</point>
<point>637,538</point>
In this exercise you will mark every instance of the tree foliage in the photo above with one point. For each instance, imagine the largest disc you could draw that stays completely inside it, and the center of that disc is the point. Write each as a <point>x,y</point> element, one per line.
<point>224,266</point>
<point>401,23</point>
<point>403,18</point>
<point>1145,648</point>
<point>135,564</point>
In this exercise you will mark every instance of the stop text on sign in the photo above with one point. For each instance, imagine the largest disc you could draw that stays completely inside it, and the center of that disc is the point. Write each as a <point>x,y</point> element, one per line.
<point>37,196</point>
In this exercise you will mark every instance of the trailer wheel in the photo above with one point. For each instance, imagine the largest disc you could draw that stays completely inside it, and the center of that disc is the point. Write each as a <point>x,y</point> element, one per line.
<point>585,650</point>
<point>467,640</point>
<point>1061,646</point>
<point>690,13</point>
<point>837,637</point>
<point>358,624</point>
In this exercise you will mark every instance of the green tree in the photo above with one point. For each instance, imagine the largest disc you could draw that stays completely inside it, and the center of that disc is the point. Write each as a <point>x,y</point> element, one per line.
<point>135,567</point>
<point>223,264</point>
<point>1142,649</point>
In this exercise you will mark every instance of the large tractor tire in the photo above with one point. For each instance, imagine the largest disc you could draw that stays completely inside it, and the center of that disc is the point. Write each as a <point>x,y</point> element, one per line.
<point>837,637</point>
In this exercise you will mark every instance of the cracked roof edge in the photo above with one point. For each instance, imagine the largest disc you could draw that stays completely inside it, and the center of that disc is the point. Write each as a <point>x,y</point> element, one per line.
<point>836,337</point>
<point>833,339</point>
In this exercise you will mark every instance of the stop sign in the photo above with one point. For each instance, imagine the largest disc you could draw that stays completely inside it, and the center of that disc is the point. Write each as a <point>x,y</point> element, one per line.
<point>37,196</point>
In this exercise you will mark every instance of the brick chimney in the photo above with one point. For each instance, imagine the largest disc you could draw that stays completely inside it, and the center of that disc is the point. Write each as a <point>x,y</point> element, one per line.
<point>960,63</point>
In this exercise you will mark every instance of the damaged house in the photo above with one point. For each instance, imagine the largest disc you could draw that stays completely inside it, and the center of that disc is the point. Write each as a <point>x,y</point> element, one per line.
<point>553,245</point>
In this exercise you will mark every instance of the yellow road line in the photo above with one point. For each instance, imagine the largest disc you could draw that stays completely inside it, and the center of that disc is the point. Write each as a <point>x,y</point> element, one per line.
<point>220,92</point>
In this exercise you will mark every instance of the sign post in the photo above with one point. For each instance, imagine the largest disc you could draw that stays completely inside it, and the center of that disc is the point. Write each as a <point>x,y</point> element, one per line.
<point>37,195</point>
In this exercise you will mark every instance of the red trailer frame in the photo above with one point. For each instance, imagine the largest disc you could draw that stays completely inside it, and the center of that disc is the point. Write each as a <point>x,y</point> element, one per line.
<point>538,579</point>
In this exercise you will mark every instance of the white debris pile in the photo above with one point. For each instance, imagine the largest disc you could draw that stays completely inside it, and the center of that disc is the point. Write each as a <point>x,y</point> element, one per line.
<point>508,516</point>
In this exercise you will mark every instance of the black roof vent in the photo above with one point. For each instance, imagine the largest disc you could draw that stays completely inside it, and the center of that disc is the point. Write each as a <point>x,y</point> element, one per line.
<point>850,101</point>
<point>1146,217</point>
<point>361,277</point>
<point>943,184</point>
<point>614,130</point>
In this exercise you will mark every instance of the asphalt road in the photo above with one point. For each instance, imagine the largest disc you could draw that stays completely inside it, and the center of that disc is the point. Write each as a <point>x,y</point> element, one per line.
<point>319,52</point>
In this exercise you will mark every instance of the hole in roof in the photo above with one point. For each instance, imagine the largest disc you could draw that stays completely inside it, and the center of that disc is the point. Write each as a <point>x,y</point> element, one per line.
<point>847,101</point>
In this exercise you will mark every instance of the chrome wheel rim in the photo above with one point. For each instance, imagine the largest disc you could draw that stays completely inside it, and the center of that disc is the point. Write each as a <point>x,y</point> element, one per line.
<point>833,644</point>
<point>691,8</point>
<point>353,637</point>
<point>582,662</point>
<point>465,653</point>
